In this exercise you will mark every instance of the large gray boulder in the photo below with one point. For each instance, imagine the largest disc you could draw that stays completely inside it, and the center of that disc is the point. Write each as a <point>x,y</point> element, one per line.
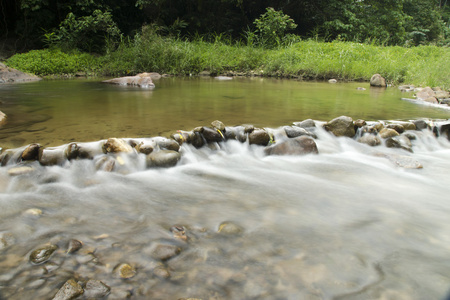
<point>341,126</point>
<point>295,146</point>
<point>10,75</point>
<point>143,80</point>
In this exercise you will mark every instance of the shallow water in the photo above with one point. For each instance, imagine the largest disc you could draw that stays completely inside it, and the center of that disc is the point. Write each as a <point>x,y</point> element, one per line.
<point>344,224</point>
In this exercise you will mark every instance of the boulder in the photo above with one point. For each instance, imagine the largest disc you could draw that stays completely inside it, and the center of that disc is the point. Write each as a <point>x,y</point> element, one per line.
<point>293,132</point>
<point>388,133</point>
<point>397,127</point>
<point>341,126</point>
<point>143,80</point>
<point>425,93</point>
<point>420,124</point>
<point>378,81</point>
<point>163,158</point>
<point>370,139</point>
<point>259,137</point>
<point>295,146</point>
<point>212,135</point>
<point>10,75</point>
<point>114,145</point>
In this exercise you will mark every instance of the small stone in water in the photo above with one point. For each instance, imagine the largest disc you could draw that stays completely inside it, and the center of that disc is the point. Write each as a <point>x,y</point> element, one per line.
<point>230,228</point>
<point>161,272</point>
<point>125,271</point>
<point>70,290</point>
<point>96,289</point>
<point>42,254</point>
<point>179,232</point>
<point>32,212</point>
<point>20,170</point>
<point>74,246</point>
<point>164,251</point>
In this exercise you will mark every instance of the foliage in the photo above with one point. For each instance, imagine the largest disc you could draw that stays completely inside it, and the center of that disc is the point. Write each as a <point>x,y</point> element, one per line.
<point>89,33</point>
<point>51,62</point>
<point>271,27</point>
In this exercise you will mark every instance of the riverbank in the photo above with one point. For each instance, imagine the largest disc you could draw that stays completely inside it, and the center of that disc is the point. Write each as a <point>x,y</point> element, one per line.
<point>304,60</point>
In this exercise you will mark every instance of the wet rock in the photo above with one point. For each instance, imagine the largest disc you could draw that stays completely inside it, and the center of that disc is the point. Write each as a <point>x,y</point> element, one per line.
<point>144,148</point>
<point>2,118</point>
<point>20,170</point>
<point>96,289</point>
<point>125,271</point>
<point>74,246</point>
<point>410,136</point>
<point>161,272</point>
<point>42,254</point>
<point>248,128</point>
<point>259,137</point>
<point>212,135</point>
<point>400,141</point>
<point>293,132</point>
<point>197,139</point>
<point>230,228</point>
<point>89,150</point>
<point>7,156</point>
<point>163,159</point>
<point>420,124</point>
<point>388,133</point>
<point>308,123</point>
<point>370,139</point>
<point>164,251</point>
<point>444,129</point>
<point>72,151</point>
<point>296,146</point>
<point>115,145</point>
<point>143,80</point>
<point>403,161</point>
<point>341,126</point>
<point>179,232</point>
<point>70,290</point>
<point>105,163</point>
<point>218,125</point>
<point>52,156</point>
<point>397,127</point>
<point>377,81</point>
<point>168,144</point>
<point>182,137</point>
<point>360,123</point>
<point>33,212</point>
<point>31,152</point>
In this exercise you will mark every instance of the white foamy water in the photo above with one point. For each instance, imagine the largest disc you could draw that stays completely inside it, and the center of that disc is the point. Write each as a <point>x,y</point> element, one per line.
<point>345,224</point>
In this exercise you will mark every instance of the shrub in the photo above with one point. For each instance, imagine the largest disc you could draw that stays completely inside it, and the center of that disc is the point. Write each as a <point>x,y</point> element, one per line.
<point>272,26</point>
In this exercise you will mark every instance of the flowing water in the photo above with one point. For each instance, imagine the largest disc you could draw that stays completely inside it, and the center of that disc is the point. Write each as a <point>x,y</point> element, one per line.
<point>345,224</point>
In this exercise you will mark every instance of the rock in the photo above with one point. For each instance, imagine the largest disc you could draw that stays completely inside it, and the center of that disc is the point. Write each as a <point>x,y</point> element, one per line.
<point>443,101</point>
<point>360,88</point>
<point>179,232</point>
<point>52,156</point>
<point>70,290</point>
<point>114,145</point>
<point>42,254</point>
<point>248,128</point>
<point>212,135</point>
<point>440,94</point>
<point>105,163</point>
<point>425,93</point>
<point>161,272</point>
<point>360,123</point>
<point>125,271</point>
<point>33,212</point>
<point>168,144</point>
<point>163,158</point>
<point>378,81</point>
<point>420,124</point>
<point>341,126</point>
<point>295,146</point>
<point>197,139</point>
<point>332,81</point>
<point>20,170</point>
<point>403,161</point>
<point>204,73</point>
<point>444,129</point>
<point>162,251</point>
<point>143,80</point>
<point>370,139</point>
<point>218,125</point>
<point>400,141</point>
<point>259,137</point>
<point>308,123</point>
<point>2,118</point>
<point>10,75</point>
<point>431,100</point>
<point>293,132</point>
<point>96,289</point>
<point>144,148</point>
<point>223,78</point>
<point>74,246</point>
<point>230,228</point>
<point>388,133</point>
<point>397,127</point>
<point>31,152</point>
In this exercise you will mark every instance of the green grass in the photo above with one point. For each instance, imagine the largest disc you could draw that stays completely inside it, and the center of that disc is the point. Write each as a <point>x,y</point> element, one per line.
<point>309,59</point>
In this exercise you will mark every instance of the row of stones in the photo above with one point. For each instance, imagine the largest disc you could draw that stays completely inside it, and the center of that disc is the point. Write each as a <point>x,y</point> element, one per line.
<point>164,152</point>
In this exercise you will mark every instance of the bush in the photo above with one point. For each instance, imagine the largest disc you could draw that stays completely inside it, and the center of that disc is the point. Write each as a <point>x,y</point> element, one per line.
<point>272,26</point>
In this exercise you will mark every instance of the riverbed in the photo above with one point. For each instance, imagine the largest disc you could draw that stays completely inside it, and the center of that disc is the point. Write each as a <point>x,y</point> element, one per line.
<point>348,223</point>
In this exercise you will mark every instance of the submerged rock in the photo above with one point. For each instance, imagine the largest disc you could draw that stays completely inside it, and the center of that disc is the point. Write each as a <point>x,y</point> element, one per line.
<point>96,289</point>
<point>230,228</point>
<point>74,246</point>
<point>296,146</point>
<point>163,251</point>
<point>125,271</point>
<point>70,290</point>
<point>42,254</point>
<point>341,126</point>
<point>403,161</point>
<point>20,170</point>
<point>400,141</point>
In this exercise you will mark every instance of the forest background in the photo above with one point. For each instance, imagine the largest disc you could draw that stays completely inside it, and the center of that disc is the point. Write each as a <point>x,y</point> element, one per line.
<point>190,36</point>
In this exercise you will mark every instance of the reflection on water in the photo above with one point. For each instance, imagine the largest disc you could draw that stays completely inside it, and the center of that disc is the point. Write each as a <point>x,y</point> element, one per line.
<point>59,112</point>
<point>344,224</point>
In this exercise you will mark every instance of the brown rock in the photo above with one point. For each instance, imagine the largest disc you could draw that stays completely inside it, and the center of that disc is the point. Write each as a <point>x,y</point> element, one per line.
<point>70,290</point>
<point>114,145</point>
<point>295,146</point>
<point>259,137</point>
<point>370,139</point>
<point>378,81</point>
<point>31,152</point>
<point>341,126</point>
<point>387,133</point>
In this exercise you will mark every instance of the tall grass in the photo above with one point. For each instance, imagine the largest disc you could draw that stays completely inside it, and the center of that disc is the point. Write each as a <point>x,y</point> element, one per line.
<point>309,59</point>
